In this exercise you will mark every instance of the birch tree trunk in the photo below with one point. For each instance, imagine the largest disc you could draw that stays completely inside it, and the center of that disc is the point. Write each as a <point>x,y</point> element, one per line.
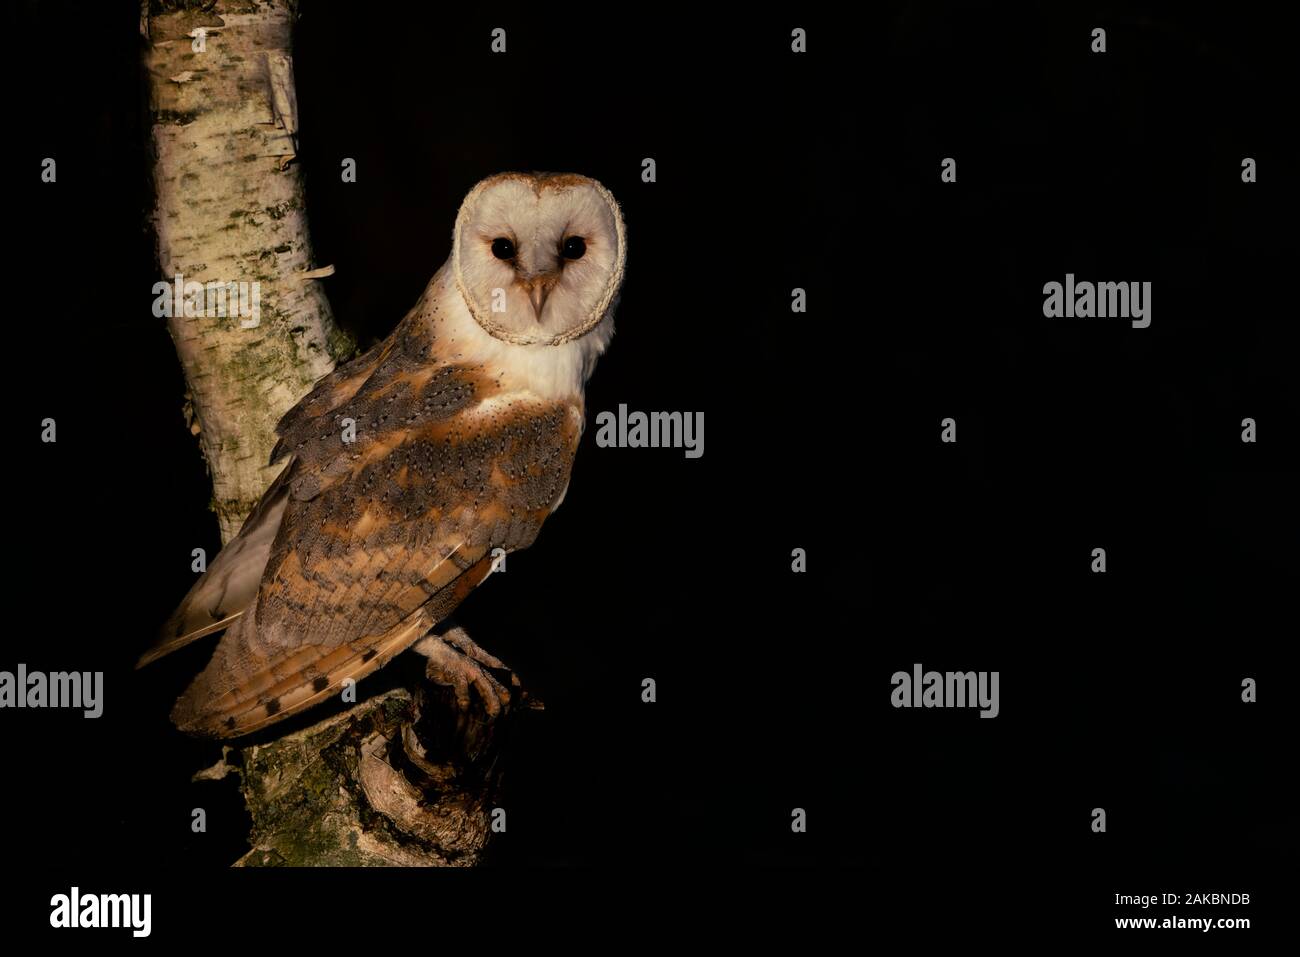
<point>230,210</point>
<point>405,777</point>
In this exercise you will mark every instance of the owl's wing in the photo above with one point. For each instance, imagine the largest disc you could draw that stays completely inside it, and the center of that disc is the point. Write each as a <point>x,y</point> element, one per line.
<point>336,617</point>
<point>230,584</point>
<point>382,537</point>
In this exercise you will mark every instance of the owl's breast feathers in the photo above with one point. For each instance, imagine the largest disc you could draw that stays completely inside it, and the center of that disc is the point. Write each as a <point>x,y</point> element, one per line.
<point>378,538</point>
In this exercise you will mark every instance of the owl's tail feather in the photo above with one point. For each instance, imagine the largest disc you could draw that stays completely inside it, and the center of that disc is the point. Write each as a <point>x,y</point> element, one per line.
<point>248,686</point>
<point>230,583</point>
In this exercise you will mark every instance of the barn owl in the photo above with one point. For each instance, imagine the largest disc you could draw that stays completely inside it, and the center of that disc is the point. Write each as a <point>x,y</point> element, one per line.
<point>465,420</point>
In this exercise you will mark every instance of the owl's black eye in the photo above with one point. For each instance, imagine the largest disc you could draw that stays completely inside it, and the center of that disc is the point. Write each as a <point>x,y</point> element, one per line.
<point>503,248</point>
<point>574,248</point>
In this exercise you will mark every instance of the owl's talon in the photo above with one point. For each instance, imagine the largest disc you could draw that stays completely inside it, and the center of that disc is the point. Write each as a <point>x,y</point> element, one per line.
<point>458,663</point>
<point>459,638</point>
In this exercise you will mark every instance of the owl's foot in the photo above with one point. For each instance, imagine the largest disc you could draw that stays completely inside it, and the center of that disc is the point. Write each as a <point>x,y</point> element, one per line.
<point>456,662</point>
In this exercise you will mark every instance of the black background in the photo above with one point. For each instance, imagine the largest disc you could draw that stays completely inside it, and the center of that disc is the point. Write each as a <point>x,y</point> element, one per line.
<point>820,171</point>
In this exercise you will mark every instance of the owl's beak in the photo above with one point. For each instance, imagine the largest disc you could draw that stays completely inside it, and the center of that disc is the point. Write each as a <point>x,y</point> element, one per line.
<point>539,288</point>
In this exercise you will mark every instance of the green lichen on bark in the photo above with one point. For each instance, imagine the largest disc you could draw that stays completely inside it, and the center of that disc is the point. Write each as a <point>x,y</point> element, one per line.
<point>340,344</point>
<point>300,789</point>
<point>307,795</point>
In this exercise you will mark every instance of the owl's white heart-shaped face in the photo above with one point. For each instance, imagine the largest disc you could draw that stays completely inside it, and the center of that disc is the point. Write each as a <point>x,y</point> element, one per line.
<point>539,258</point>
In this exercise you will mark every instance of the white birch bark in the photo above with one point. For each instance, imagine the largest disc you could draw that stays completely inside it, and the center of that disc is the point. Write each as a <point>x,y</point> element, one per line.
<point>229,208</point>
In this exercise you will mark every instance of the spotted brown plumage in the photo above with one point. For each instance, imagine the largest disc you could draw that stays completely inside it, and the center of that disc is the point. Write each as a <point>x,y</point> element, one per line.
<point>464,444</point>
<point>381,538</point>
